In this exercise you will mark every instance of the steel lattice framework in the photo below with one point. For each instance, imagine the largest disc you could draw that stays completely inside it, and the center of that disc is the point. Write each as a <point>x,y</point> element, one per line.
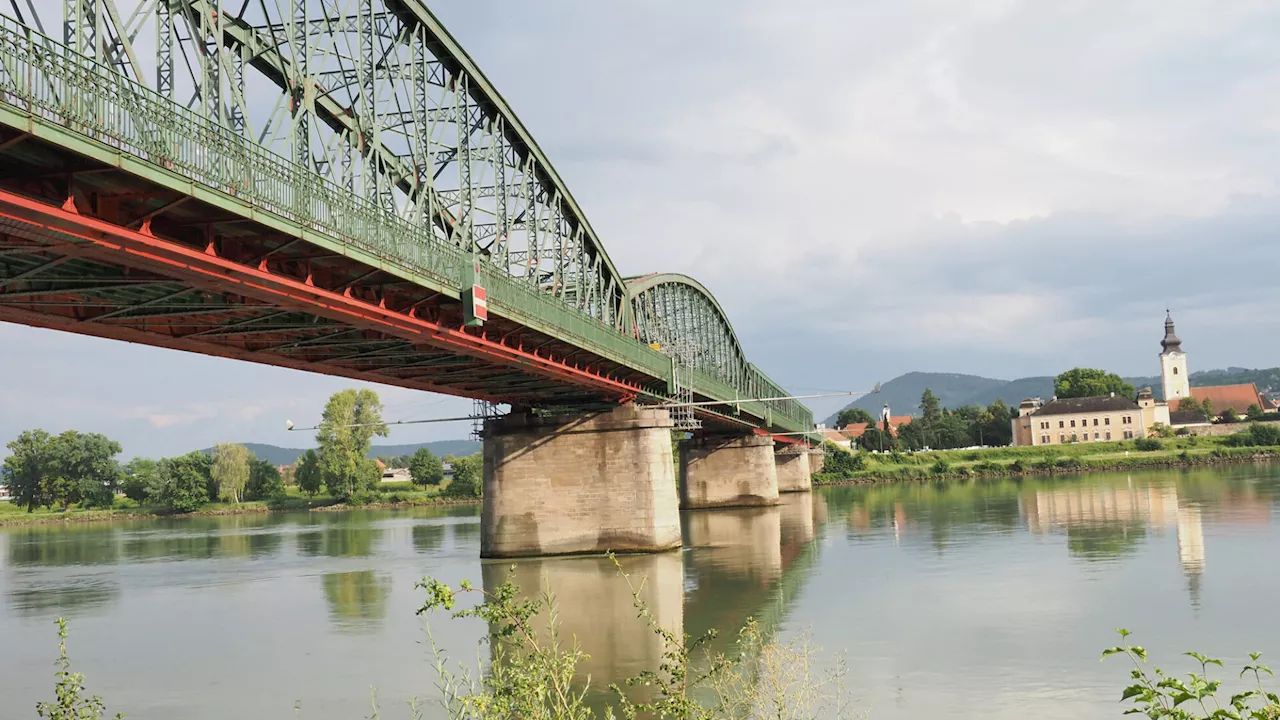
<point>377,161</point>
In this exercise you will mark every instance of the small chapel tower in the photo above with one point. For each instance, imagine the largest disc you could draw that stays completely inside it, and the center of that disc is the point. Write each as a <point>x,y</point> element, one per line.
<point>1173,364</point>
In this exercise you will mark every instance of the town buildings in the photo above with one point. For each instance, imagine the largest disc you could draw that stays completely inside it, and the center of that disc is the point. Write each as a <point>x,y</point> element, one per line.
<point>1088,419</point>
<point>1098,419</point>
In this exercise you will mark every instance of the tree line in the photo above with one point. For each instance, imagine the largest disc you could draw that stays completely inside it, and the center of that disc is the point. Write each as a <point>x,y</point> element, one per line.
<point>936,427</point>
<point>82,469</point>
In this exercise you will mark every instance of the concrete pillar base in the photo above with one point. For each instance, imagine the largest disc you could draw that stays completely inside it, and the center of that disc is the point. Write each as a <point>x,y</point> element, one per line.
<point>793,471</point>
<point>586,484</point>
<point>817,460</point>
<point>718,471</point>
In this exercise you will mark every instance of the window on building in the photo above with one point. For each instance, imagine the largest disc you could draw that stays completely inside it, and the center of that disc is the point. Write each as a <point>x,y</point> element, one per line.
<point>1096,436</point>
<point>1044,439</point>
<point>1073,423</point>
<point>1107,421</point>
<point>1075,438</point>
<point>1062,437</point>
<point>1060,424</point>
<point>1175,371</point>
<point>1128,434</point>
<point>1095,422</point>
<point>1108,434</point>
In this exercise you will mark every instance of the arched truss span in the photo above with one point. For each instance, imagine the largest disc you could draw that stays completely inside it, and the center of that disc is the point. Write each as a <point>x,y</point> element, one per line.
<point>682,318</point>
<point>377,96</point>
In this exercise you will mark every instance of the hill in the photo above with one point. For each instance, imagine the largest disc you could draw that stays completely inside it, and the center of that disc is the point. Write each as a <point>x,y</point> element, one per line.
<point>902,393</point>
<point>287,456</point>
<point>954,390</point>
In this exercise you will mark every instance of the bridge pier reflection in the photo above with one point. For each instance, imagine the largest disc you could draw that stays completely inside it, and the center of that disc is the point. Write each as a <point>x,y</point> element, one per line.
<point>595,608</point>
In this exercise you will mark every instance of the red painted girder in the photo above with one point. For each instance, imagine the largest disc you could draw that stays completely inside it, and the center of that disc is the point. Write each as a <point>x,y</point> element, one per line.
<point>122,246</point>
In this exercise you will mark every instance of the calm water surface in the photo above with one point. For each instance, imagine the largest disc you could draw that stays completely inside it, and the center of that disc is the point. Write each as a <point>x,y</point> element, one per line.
<point>987,599</point>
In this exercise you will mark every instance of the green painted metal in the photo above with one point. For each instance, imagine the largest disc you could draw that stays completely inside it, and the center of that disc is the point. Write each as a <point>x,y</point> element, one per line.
<point>371,184</point>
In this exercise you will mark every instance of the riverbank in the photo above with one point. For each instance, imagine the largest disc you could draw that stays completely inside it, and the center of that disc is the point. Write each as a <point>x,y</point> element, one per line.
<point>11,515</point>
<point>1058,460</point>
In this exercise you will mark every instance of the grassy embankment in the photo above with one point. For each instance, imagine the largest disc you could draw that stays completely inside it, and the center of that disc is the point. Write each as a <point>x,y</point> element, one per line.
<point>388,495</point>
<point>1073,458</point>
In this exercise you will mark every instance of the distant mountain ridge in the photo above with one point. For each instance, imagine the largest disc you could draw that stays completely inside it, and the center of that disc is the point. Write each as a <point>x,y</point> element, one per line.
<point>902,393</point>
<point>277,455</point>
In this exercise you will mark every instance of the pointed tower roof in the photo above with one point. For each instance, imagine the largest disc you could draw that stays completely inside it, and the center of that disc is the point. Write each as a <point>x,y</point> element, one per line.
<point>1170,343</point>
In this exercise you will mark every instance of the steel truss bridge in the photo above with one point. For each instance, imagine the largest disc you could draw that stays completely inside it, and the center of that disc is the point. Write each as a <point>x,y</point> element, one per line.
<point>314,184</point>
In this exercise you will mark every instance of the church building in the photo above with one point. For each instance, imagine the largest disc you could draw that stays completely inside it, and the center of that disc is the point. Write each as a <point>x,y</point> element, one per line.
<point>1094,419</point>
<point>1176,382</point>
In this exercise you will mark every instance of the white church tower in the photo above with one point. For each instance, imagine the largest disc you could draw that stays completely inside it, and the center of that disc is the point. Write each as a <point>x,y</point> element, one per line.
<point>1173,364</point>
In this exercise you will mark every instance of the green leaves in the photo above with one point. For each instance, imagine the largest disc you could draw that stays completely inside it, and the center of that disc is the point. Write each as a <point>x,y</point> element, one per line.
<point>1162,697</point>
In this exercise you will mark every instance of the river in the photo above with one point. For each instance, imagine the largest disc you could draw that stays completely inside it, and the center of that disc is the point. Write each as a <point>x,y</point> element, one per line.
<point>988,599</point>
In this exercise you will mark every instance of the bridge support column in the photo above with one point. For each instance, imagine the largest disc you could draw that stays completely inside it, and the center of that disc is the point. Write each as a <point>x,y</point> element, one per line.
<point>585,484</point>
<point>718,471</point>
<point>817,459</point>
<point>793,470</point>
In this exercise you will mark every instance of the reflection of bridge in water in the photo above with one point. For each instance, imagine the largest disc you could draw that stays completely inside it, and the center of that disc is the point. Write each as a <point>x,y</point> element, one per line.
<point>737,564</point>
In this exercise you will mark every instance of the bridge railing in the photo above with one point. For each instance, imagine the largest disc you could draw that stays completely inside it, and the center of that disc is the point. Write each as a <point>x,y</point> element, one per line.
<point>48,81</point>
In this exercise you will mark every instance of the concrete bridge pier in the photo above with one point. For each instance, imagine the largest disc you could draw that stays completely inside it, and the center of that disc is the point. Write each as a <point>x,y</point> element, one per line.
<point>579,484</point>
<point>793,469</point>
<point>817,459</point>
<point>728,471</point>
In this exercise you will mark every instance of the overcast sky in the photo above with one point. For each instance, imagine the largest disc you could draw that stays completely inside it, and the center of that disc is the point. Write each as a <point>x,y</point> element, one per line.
<point>992,187</point>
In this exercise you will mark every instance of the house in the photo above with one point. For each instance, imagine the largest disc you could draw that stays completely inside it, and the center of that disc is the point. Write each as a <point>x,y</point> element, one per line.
<point>837,437</point>
<point>4,492</point>
<point>1087,419</point>
<point>396,475</point>
<point>854,431</point>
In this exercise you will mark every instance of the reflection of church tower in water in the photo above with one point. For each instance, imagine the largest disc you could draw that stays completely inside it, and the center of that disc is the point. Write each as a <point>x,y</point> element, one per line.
<point>1191,549</point>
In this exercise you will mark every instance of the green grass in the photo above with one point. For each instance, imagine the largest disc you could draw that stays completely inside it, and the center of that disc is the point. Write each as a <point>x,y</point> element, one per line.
<point>292,501</point>
<point>1076,457</point>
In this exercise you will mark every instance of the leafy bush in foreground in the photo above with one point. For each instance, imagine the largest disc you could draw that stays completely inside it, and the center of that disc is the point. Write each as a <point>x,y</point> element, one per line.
<point>1157,695</point>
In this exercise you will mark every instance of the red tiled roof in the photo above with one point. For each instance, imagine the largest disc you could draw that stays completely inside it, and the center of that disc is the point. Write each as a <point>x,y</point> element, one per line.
<point>854,430</point>
<point>1222,397</point>
<point>834,435</point>
<point>857,430</point>
<point>895,421</point>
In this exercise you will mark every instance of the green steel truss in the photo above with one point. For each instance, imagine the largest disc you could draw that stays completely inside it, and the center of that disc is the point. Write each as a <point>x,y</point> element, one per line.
<point>362,126</point>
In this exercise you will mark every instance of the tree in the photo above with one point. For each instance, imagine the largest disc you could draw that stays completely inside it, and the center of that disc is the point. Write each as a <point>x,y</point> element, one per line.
<point>466,478</point>
<point>930,409</point>
<point>25,469</point>
<point>184,482</point>
<point>1231,416</point>
<point>852,416</point>
<point>1254,412</point>
<point>85,469</point>
<point>1191,405</point>
<point>873,438</point>
<point>309,475</point>
<point>1090,382</point>
<point>230,470</point>
<point>999,431</point>
<point>67,469</point>
<point>350,421</point>
<point>426,468</point>
<point>265,481</point>
<point>141,479</point>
